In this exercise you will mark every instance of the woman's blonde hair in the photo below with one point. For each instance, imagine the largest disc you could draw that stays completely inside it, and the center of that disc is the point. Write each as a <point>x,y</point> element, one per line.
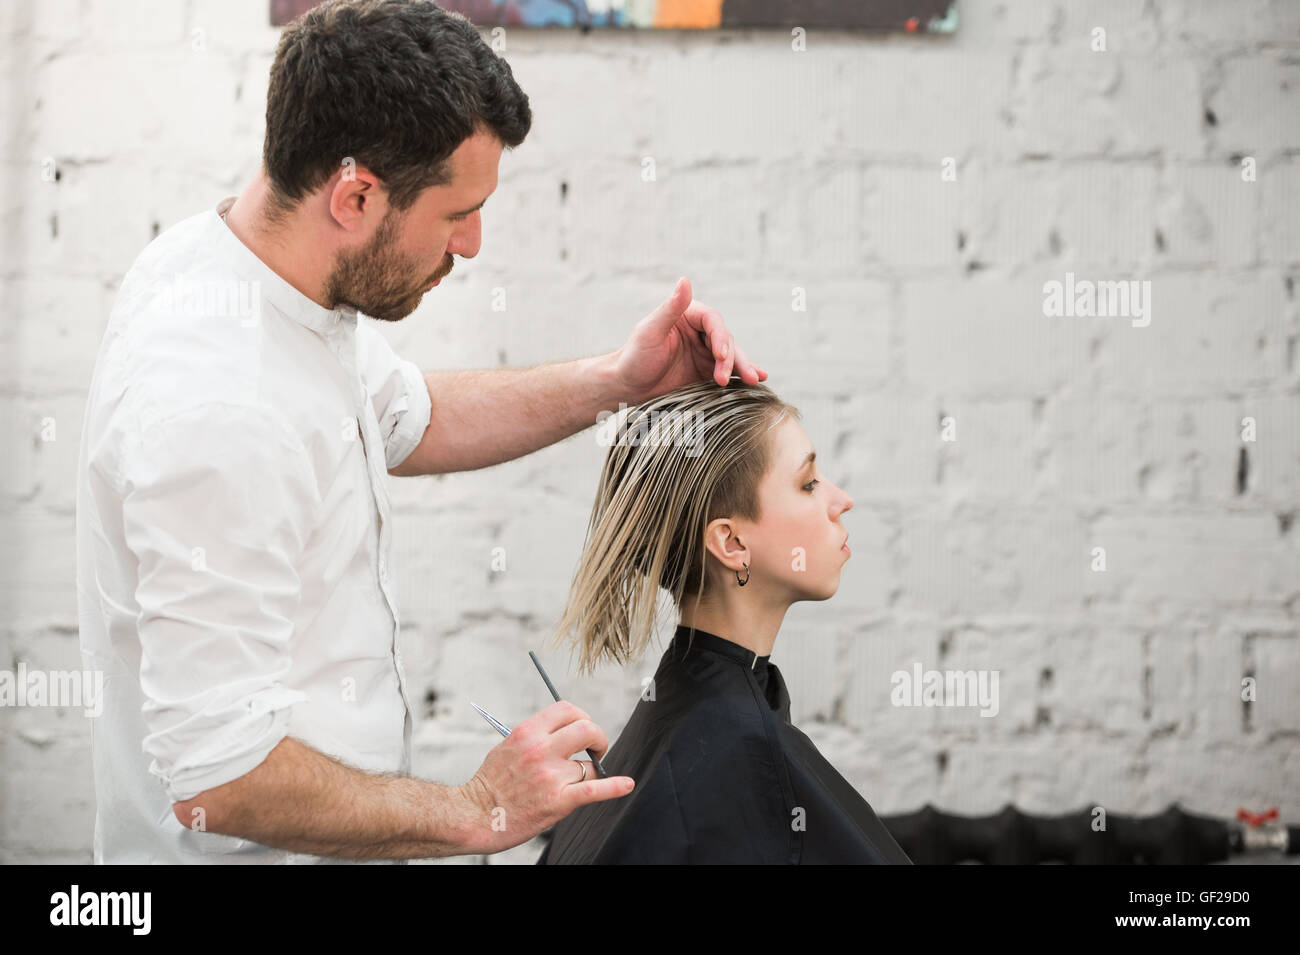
<point>675,463</point>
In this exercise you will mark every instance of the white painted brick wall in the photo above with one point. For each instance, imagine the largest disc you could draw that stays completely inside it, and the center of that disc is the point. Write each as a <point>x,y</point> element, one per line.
<point>777,169</point>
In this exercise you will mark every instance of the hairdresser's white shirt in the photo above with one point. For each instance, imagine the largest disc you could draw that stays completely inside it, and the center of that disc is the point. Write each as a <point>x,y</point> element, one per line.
<point>235,578</point>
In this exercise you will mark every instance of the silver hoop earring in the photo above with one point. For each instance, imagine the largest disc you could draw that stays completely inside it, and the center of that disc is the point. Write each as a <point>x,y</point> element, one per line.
<point>746,580</point>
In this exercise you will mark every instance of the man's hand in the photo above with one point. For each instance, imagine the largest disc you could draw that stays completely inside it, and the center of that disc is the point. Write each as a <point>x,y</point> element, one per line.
<point>528,782</point>
<point>679,343</point>
<point>304,801</point>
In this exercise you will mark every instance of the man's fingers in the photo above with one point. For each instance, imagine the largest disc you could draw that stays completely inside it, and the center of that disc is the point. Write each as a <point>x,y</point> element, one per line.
<point>667,314</point>
<point>595,790</point>
<point>729,362</point>
<point>708,322</point>
<point>582,770</point>
<point>683,297</point>
<point>714,336</point>
<point>748,371</point>
<point>558,714</point>
<point>578,736</point>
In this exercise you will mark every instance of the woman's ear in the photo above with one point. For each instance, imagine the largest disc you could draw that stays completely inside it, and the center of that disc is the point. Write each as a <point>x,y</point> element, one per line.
<point>722,540</point>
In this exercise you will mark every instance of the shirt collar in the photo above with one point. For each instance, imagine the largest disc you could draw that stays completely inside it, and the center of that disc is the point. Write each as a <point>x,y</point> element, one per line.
<point>272,287</point>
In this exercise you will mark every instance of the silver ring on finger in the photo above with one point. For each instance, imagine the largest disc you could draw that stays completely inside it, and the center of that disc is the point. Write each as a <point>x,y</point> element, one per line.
<point>583,767</point>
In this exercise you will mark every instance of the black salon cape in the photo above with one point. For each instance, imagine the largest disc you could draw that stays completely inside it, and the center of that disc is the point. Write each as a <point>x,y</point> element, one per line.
<point>722,776</point>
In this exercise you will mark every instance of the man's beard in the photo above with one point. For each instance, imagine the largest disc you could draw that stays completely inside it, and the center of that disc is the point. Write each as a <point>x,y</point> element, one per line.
<point>378,281</point>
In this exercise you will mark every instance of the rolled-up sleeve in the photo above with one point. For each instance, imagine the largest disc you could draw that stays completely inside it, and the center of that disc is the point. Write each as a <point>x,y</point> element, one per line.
<point>218,504</point>
<point>397,391</point>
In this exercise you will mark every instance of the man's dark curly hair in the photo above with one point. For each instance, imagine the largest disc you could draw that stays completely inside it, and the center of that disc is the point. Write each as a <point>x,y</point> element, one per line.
<point>396,85</point>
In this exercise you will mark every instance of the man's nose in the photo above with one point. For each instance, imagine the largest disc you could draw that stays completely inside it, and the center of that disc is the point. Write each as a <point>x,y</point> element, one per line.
<point>467,238</point>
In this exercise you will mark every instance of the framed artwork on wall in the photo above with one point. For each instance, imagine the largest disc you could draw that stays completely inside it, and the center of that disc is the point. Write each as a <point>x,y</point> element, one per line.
<point>910,16</point>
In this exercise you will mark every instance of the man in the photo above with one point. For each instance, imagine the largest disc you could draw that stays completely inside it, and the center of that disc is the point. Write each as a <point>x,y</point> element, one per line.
<point>235,576</point>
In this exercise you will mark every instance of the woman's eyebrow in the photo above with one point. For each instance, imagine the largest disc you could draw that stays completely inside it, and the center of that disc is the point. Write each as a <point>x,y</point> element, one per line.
<point>812,456</point>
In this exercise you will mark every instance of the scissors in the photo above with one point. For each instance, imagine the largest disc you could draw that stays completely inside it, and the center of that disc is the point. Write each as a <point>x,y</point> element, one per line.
<point>505,730</point>
<point>496,723</point>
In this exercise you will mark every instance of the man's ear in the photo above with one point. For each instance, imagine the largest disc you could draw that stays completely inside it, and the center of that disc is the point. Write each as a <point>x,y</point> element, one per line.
<point>358,201</point>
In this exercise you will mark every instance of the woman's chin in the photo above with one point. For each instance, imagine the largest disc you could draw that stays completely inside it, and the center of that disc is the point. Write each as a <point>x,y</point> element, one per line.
<point>834,585</point>
<point>825,592</point>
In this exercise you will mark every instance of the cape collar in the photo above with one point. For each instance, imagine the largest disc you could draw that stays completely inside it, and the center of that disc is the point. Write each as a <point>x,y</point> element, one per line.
<point>712,643</point>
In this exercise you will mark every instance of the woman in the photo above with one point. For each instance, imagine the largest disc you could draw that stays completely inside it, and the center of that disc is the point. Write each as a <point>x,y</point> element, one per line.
<point>714,495</point>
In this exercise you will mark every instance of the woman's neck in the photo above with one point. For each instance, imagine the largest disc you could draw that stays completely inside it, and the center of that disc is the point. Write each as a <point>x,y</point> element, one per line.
<point>749,623</point>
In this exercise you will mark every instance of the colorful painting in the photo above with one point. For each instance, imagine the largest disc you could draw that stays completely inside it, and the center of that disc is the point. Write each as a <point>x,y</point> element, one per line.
<point>912,16</point>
